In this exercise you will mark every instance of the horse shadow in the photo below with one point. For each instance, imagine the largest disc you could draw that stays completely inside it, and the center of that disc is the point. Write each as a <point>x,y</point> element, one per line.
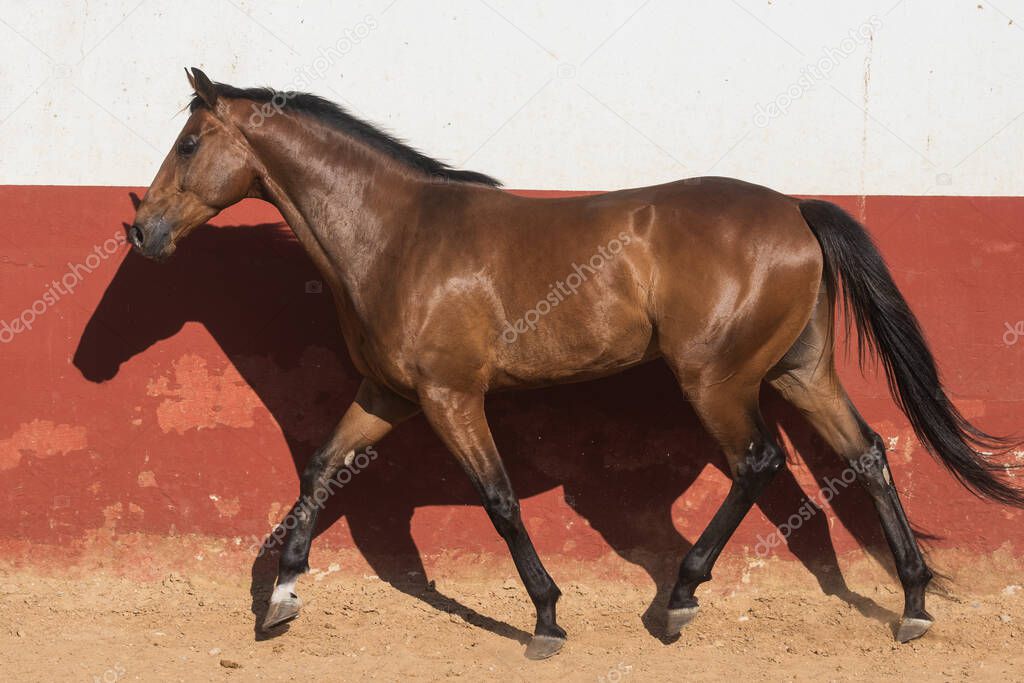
<point>623,449</point>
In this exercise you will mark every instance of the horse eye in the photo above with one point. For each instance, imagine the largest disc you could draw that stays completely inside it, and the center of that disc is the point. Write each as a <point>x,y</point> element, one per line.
<point>188,145</point>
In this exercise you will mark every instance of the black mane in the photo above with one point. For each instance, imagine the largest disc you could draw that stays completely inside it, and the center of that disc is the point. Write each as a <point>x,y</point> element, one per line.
<point>336,116</point>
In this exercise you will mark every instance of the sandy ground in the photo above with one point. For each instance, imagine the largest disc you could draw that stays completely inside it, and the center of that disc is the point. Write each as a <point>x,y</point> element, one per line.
<point>103,627</point>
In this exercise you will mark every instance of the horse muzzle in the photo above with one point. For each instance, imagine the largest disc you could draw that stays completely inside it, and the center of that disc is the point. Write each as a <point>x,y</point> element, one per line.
<point>151,241</point>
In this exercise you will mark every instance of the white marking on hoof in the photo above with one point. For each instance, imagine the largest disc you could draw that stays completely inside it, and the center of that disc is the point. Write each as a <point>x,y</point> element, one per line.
<point>678,618</point>
<point>912,628</point>
<point>350,457</point>
<point>284,606</point>
<point>284,591</point>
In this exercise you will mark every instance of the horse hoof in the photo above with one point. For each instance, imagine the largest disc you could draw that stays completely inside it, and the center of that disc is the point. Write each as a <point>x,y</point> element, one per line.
<point>911,628</point>
<point>678,618</point>
<point>542,647</point>
<point>281,612</point>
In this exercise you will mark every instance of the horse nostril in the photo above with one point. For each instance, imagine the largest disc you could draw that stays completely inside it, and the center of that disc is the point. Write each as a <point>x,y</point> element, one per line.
<point>136,237</point>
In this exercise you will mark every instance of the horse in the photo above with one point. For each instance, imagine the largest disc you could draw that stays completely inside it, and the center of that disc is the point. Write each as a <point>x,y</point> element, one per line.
<point>448,288</point>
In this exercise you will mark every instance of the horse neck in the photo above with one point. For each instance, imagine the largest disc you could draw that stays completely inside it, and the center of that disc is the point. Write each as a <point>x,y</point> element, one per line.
<point>342,199</point>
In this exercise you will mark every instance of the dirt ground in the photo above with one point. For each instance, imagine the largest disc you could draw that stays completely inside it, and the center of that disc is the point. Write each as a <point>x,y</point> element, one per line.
<point>99,626</point>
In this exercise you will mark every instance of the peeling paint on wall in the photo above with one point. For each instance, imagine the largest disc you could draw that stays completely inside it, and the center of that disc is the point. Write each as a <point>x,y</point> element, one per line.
<point>42,439</point>
<point>227,507</point>
<point>198,398</point>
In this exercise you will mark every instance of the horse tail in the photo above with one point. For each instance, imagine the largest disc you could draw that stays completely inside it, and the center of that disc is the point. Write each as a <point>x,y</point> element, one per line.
<point>888,329</point>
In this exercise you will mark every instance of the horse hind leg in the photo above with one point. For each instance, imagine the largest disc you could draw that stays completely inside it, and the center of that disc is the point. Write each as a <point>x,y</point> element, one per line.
<point>809,382</point>
<point>730,413</point>
<point>724,386</point>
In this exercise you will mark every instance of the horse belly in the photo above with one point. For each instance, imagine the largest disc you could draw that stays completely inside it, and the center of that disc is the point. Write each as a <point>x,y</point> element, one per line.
<point>585,347</point>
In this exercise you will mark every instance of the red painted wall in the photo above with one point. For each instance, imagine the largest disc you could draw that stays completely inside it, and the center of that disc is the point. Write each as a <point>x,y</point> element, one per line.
<point>181,398</point>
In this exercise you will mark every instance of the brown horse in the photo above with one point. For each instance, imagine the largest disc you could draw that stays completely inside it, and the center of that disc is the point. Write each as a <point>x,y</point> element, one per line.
<point>448,288</point>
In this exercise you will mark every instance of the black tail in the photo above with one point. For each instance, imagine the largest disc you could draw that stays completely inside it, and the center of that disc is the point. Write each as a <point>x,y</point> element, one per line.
<point>886,326</point>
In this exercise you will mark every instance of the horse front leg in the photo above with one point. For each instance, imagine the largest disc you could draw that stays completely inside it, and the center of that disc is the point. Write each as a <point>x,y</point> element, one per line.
<point>373,414</point>
<point>458,418</point>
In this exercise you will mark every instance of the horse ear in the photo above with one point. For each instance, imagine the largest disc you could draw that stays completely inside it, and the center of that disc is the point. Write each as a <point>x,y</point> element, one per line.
<point>203,87</point>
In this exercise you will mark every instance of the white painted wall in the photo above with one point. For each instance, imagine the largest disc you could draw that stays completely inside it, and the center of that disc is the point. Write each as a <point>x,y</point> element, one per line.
<point>546,94</point>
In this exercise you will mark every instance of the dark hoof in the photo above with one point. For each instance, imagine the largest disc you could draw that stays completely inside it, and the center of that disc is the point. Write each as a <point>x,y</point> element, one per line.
<point>542,647</point>
<point>678,618</point>
<point>281,612</point>
<point>911,628</point>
